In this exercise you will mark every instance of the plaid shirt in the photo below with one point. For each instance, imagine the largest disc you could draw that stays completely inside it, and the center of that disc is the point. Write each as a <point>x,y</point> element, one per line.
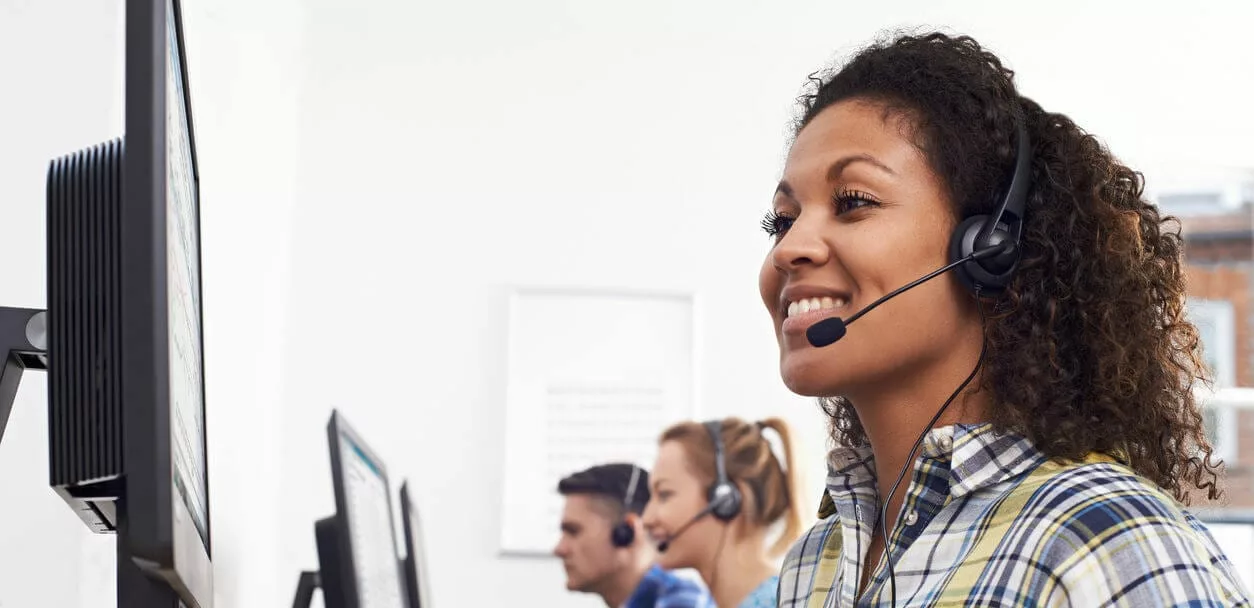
<point>989,521</point>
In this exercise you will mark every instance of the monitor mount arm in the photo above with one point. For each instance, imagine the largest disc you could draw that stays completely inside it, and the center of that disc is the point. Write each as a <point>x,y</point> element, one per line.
<point>305,587</point>
<point>23,346</point>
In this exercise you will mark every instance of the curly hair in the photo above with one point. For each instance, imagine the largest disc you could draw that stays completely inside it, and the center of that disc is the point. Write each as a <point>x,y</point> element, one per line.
<point>1089,348</point>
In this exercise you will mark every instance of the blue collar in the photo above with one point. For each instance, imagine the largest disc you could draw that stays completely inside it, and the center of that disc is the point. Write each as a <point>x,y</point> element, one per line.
<point>651,586</point>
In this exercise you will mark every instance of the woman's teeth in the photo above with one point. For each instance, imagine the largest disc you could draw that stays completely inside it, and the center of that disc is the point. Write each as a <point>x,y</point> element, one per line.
<point>809,304</point>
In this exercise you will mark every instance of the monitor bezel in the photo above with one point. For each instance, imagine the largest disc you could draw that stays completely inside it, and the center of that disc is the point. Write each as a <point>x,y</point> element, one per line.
<point>348,562</point>
<point>161,535</point>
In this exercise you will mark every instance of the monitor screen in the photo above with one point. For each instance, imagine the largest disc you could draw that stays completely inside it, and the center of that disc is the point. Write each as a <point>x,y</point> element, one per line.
<point>187,404</point>
<point>369,520</point>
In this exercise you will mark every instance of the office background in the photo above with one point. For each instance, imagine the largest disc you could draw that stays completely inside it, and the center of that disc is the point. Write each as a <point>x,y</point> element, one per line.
<point>376,174</point>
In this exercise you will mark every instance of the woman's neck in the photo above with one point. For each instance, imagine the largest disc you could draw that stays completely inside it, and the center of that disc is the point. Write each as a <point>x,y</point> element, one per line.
<point>737,570</point>
<point>894,418</point>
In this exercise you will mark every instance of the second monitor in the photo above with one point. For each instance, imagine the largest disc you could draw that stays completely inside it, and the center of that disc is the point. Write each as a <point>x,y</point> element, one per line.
<point>357,546</point>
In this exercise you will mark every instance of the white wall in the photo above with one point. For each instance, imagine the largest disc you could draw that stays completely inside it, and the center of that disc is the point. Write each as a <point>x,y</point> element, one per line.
<point>243,58</point>
<point>376,174</point>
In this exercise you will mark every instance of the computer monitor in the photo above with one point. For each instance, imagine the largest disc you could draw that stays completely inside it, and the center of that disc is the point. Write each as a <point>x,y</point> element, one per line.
<point>417,583</point>
<point>127,434</point>
<point>163,380</point>
<point>367,571</point>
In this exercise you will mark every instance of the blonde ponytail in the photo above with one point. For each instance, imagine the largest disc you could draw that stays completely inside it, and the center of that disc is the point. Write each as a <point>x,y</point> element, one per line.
<point>792,514</point>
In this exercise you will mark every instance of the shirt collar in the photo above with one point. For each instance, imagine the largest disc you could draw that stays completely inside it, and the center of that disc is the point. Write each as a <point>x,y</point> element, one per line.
<point>978,455</point>
<point>648,589</point>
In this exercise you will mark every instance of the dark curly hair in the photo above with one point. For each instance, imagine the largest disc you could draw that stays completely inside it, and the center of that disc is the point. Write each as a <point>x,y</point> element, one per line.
<point>1089,348</point>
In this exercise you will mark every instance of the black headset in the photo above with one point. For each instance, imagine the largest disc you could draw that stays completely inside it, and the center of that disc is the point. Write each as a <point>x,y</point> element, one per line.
<point>725,498</point>
<point>623,534</point>
<point>985,275</point>
<point>1004,227</point>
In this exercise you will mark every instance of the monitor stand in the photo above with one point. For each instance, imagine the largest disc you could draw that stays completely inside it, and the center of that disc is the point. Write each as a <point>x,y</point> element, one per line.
<point>24,346</point>
<point>327,538</point>
<point>136,587</point>
<point>305,587</point>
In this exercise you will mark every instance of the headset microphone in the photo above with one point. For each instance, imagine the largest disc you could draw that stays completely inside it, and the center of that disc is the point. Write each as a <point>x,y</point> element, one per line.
<point>984,249</point>
<point>831,329</point>
<point>666,544</point>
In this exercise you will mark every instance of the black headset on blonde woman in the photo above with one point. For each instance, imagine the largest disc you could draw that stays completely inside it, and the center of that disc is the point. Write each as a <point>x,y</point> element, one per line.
<point>725,499</point>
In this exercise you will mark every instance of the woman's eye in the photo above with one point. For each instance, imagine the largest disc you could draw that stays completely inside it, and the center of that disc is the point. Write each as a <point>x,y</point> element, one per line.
<point>776,224</point>
<point>851,200</point>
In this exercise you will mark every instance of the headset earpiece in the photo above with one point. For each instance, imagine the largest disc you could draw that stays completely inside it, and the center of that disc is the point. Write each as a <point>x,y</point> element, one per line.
<point>991,274</point>
<point>725,498</point>
<point>1002,228</point>
<point>623,534</point>
<point>725,501</point>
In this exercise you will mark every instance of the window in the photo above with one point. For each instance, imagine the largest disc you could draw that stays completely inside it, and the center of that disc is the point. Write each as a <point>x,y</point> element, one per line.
<point>1192,203</point>
<point>1216,325</point>
<point>1219,415</point>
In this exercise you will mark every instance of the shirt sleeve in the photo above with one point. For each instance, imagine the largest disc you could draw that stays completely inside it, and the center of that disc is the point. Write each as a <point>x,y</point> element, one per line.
<point>1134,550</point>
<point>810,566</point>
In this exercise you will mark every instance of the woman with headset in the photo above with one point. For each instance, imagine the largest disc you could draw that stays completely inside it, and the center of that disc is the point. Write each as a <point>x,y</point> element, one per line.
<point>717,488</point>
<point>992,315</point>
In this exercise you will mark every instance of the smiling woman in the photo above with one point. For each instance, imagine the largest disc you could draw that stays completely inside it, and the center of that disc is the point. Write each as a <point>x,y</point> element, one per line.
<point>1039,404</point>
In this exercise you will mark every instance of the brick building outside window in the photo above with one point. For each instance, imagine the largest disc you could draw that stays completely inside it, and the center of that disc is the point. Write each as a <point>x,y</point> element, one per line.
<point>1216,214</point>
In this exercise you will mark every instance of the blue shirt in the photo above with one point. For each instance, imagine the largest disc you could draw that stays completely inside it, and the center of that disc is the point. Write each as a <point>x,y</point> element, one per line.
<point>661,589</point>
<point>764,596</point>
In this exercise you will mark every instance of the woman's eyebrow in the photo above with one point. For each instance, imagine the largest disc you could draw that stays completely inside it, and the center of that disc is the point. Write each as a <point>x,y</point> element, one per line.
<point>836,169</point>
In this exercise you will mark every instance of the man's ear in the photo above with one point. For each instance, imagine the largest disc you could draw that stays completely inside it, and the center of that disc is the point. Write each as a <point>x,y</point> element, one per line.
<point>636,522</point>
<point>633,520</point>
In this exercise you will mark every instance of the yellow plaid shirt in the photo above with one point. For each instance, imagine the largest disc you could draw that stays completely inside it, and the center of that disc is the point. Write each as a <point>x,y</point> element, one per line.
<point>989,521</point>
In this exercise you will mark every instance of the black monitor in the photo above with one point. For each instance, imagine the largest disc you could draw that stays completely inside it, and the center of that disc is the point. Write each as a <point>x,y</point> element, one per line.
<point>417,583</point>
<point>127,434</point>
<point>357,546</point>
<point>163,380</point>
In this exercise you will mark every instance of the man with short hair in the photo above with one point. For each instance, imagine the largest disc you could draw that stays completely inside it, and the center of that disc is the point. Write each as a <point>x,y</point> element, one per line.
<point>604,548</point>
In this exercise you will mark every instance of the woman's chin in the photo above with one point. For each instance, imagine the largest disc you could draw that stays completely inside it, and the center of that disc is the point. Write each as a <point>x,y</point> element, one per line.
<point>668,561</point>
<point>807,379</point>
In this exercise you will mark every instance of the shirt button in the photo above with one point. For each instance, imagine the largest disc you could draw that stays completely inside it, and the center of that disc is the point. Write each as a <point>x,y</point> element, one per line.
<point>946,443</point>
<point>912,516</point>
